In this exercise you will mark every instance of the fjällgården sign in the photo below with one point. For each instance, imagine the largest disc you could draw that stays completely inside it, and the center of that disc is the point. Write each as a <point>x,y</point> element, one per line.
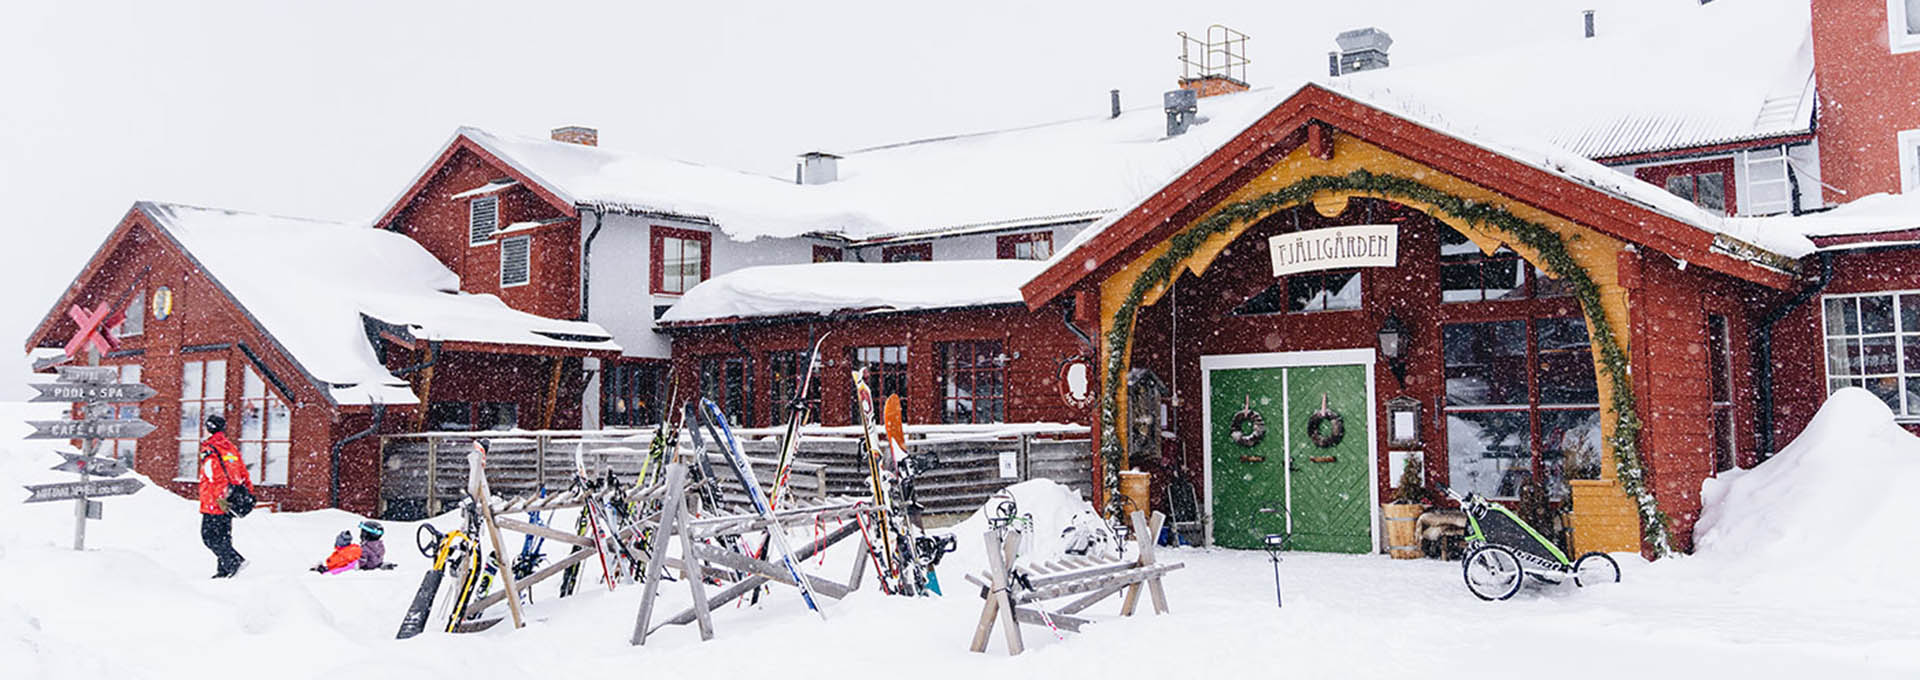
<point>1361,245</point>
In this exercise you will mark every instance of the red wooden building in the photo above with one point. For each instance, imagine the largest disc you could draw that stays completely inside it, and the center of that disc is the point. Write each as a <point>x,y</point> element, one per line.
<point>312,337</point>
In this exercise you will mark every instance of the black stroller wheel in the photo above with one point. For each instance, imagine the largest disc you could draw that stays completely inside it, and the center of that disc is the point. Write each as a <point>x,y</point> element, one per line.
<point>1595,567</point>
<point>1492,572</point>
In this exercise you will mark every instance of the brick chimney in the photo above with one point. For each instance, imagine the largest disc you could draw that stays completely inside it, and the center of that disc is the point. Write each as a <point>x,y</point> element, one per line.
<point>577,134</point>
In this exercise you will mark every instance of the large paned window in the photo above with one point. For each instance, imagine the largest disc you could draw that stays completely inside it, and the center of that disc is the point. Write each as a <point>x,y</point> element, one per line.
<point>124,449</point>
<point>682,259</point>
<point>1873,341</point>
<point>788,369</point>
<point>973,381</point>
<point>1521,404</point>
<point>886,367</point>
<point>1468,275</point>
<point>1720,391</point>
<point>203,392</point>
<point>266,431</point>
<point>135,322</point>
<point>630,395</point>
<point>1310,292</point>
<point>725,381</point>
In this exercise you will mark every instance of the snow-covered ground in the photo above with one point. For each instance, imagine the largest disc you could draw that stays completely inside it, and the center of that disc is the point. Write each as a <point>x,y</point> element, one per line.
<point>138,604</point>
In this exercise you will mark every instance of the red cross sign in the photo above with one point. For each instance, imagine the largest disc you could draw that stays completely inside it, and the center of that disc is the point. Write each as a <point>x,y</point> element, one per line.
<point>93,329</point>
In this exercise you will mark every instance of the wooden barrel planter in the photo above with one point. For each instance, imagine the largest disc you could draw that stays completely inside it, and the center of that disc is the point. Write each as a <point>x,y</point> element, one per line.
<point>1403,533</point>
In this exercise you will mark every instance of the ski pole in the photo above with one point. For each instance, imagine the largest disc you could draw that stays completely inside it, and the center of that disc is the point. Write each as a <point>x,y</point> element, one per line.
<point>1276,542</point>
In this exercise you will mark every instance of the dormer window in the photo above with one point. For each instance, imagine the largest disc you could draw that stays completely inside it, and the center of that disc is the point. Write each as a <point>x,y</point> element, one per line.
<point>1036,245</point>
<point>483,218</point>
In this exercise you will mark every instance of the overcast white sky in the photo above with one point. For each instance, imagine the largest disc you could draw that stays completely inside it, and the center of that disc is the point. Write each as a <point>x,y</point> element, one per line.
<point>326,109</point>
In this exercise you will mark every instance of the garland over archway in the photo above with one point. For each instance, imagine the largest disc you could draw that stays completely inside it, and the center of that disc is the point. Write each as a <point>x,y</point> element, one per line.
<point>1550,246</point>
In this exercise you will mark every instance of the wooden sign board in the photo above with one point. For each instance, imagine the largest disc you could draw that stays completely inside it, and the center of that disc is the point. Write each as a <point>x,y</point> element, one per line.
<point>92,375</point>
<point>122,393</point>
<point>42,493</point>
<point>1360,245</point>
<point>92,465</point>
<point>129,428</point>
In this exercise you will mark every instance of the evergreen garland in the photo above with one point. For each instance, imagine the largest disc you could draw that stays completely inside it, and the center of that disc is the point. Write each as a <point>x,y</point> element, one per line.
<point>1532,235</point>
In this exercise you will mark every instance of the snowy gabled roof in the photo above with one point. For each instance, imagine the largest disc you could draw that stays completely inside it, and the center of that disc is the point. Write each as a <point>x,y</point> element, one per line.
<point>824,288</point>
<point>1701,75</point>
<point>1491,130</point>
<point>308,284</point>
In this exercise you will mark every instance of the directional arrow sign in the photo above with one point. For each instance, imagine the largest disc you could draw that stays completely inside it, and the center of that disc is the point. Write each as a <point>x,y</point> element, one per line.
<point>130,428</point>
<point>116,394</point>
<point>71,490</point>
<point>98,375</point>
<point>93,465</point>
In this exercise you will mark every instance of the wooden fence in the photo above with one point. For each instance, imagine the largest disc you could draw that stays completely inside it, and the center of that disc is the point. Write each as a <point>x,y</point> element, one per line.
<point>974,461</point>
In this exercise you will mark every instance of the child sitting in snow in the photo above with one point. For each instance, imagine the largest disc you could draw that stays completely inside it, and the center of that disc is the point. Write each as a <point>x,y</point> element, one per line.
<point>370,553</point>
<point>373,553</point>
<point>345,555</point>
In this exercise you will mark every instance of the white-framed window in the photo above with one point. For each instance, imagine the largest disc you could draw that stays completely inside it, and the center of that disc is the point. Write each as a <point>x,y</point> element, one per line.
<point>136,319</point>
<point>1767,190</point>
<point>515,260</point>
<point>266,431</point>
<point>203,392</point>
<point>483,218</point>
<point>1903,25</point>
<point>124,449</point>
<point>1873,341</point>
<point>1909,141</point>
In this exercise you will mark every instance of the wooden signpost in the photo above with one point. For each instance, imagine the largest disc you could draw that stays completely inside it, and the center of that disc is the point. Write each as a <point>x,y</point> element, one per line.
<point>99,389</point>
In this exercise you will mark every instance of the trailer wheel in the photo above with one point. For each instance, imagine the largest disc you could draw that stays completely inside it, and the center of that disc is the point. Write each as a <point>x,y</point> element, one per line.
<point>1595,567</point>
<point>1492,572</point>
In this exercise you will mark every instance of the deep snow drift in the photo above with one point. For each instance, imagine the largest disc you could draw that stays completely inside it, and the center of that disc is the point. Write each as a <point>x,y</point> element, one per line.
<point>138,604</point>
<point>1838,502</point>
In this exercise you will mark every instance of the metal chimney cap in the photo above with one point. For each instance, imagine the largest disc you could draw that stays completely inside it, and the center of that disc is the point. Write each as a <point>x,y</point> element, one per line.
<point>1368,38</point>
<point>1182,99</point>
<point>819,154</point>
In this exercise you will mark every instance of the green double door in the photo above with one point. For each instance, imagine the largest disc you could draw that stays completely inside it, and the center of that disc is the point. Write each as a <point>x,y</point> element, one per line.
<point>1319,492</point>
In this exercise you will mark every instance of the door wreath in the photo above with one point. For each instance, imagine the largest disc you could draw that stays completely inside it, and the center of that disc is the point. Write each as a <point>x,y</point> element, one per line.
<point>1249,427</point>
<point>1326,427</point>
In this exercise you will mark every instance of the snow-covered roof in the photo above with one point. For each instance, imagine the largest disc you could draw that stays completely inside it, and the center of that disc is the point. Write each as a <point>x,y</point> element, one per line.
<point>827,287</point>
<point>1702,75</point>
<point>1871,220</point>
<point>308,283</point>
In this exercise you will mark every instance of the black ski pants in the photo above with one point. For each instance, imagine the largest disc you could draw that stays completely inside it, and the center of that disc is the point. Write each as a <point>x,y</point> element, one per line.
<point>217,532</point>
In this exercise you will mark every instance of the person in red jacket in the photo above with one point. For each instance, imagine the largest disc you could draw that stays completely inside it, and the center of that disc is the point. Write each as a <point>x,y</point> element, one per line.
<point>220,467</point>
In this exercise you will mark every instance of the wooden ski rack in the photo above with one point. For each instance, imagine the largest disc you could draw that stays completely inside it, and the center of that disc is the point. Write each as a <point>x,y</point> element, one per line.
<point>1007,591</point>
<point>701,560</point>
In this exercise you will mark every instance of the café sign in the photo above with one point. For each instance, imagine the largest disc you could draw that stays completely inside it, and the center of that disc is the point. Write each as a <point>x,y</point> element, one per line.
<point>1361,245</point>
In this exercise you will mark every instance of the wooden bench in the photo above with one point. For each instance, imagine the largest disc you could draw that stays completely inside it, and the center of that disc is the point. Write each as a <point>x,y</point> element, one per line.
<point>1009,592</point>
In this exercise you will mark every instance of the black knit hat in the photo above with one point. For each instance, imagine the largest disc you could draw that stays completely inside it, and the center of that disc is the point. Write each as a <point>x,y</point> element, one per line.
<point>343,540</point>
<point>216,423</point>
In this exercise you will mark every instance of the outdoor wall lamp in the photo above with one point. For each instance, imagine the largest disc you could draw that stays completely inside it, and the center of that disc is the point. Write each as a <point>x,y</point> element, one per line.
<point>1394,337</point>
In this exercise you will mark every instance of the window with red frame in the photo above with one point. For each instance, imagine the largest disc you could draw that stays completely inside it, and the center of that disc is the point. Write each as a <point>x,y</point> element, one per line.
<point>1720,391</point>
<point>886,374</point>
<point>682,258</point>
<point>827,254</point>
<point>726,380</point>
<point>973,380</point>
<point>1037,245</point>
<point>1708,183</point>
<point>913,252</point>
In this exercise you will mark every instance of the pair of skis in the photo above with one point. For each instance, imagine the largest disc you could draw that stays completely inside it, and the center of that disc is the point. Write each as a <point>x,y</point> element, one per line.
<point>715,423</point>
<point>907,555</point>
